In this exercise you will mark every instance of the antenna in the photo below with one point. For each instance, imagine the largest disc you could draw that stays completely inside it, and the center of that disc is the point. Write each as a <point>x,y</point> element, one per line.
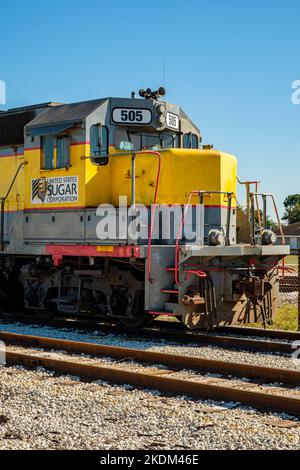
<point>164,71</point>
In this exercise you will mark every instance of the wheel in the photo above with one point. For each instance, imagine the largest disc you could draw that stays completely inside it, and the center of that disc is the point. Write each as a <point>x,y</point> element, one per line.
<point>50,309</point>
<point>45,314</point>
<point>193,320</point>
<point>119,301</point>
<point>11,294</point>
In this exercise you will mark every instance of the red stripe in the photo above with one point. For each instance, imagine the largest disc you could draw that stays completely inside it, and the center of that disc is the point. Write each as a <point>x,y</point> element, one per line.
<point>218,207</point>
<point>73,208</point>
<point>58,251</point>
<point>27,149</point>
<point>53,208</point>
<point>32,148</point>
<point>158,313</point>
<point>214,206</point>
<point>80,143</point>
<point>11,155</point>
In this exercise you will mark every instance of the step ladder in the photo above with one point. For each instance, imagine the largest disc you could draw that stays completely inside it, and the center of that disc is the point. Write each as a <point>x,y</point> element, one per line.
<point>69,303</point>
<point>173,293</point>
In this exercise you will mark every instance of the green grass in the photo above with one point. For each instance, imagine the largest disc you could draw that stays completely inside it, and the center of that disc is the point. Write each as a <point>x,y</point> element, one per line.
<point>291,261</point>
<point>286,318</point>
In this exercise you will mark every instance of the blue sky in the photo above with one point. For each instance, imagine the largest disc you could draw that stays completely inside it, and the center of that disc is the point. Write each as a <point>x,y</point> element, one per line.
<point>229,63</point>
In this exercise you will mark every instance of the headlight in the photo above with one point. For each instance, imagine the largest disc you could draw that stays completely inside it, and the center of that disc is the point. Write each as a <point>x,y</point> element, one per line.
<point>161,119</point>
<point>161,109</point>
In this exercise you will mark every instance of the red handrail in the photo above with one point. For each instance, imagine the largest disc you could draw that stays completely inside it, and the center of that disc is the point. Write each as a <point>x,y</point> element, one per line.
<point>191,272</point>
<point>153,212</point>
<point>150,231</point>
<point>192,193</point>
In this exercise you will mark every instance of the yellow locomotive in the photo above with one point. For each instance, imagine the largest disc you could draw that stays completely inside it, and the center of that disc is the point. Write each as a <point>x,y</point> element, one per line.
<point>113,208</point>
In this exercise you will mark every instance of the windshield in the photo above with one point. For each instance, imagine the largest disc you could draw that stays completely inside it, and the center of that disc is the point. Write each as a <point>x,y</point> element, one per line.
<point>126,140</point>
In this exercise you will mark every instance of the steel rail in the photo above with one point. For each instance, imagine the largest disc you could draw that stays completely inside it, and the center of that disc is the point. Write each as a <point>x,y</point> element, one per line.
<point>261,332</point>
<point>175,332</point>
<point>239,343</point>
<point>266,374</point>
<point>258,399</point>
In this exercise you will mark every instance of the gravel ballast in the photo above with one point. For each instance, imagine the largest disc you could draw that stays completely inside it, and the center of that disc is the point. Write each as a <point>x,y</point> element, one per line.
<point>39,410</point>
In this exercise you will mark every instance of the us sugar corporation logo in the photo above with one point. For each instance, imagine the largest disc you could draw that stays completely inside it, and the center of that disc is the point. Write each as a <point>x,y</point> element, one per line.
<point>54,190</point>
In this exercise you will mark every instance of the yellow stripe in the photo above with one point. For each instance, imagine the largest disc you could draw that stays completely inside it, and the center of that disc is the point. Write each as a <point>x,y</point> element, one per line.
<point>105,249</point>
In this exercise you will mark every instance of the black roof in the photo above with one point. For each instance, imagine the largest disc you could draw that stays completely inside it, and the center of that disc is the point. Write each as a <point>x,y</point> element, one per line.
<point>291,230</point>
<point>13,121</point>
<point>73,112</point>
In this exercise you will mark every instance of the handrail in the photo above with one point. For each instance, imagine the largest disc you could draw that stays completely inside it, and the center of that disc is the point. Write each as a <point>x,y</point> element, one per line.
<point>3,200</point>
<point>264,197</point>
<point>247,182</point>
<point>248,185</point>
<point>192,193</point>
<point>152,212</point>
<point>133,154</point>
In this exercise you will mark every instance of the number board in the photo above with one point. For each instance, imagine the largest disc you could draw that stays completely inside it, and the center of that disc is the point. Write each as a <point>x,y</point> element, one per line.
<point>172,121</point>
<point>131,116</point>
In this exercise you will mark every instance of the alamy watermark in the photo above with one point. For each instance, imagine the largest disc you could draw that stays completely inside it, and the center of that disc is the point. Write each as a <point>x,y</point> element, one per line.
<point>2,353</point>
<point>2,92</point>
<point>296,353</point>
<point>296,94</point>
<point>140,222</point>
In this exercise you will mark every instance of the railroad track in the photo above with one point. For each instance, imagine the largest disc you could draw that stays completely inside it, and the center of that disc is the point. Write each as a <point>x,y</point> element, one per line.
<point>261,332</point>
<point>196,387</point>
<point>239,338</point>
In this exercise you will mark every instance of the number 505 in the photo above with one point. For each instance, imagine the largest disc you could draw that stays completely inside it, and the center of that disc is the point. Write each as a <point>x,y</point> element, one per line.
<point>131,115</point>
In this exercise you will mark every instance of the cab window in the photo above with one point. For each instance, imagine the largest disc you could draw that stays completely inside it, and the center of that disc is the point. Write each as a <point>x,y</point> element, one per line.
<point>190,141</point>
<point>48,144</point>
<point>159,141</point>
<point>55,152</point>
<point>63,152</point>
<point>134,141</point>
<point>99,141</point>
<point>127,141</point>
